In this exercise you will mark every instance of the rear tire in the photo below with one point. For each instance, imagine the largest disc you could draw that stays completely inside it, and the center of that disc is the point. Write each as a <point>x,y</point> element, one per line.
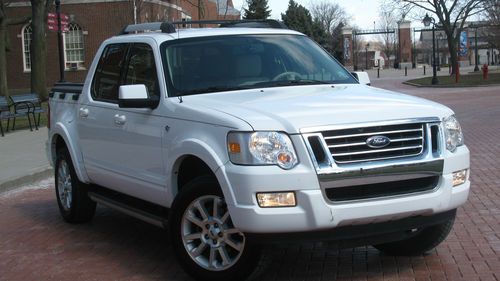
<point>74,204</point>
<point>204,238</point>
<point>425,240</point>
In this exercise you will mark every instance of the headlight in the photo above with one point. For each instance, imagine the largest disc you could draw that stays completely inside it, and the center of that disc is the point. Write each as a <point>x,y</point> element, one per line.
<point>261,148</point>
<point>452,133</point>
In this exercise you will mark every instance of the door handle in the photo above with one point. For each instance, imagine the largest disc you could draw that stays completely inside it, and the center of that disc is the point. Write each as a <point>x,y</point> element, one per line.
<point>84,112</point>
<point>120,119</point>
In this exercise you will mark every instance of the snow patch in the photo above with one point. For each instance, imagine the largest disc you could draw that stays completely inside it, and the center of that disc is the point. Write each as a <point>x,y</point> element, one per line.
<point>39,185</point>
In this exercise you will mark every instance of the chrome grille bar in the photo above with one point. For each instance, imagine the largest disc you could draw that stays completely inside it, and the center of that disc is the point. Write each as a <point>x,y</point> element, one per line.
<point>349,145</point>
<point>364,143</point>
<point>372,134</point>
<point>376,151</point>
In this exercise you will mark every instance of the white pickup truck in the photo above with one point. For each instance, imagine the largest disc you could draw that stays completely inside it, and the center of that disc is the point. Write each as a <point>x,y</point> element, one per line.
<point>237,136</point>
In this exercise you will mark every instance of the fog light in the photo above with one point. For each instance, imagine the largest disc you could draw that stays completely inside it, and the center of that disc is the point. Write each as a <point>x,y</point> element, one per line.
<point>276,199</point>
<point>459,177</point>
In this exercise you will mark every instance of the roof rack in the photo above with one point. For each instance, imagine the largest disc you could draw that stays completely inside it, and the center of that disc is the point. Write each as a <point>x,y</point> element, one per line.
<point>257,23</point>
<point>165,27</point>
<point>169,27</point>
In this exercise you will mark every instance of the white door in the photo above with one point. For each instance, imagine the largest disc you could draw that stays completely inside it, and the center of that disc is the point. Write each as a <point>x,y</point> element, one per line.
<point>122,147</point>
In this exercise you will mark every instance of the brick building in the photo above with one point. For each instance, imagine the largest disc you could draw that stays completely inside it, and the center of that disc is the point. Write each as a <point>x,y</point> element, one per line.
<point>91,22</point>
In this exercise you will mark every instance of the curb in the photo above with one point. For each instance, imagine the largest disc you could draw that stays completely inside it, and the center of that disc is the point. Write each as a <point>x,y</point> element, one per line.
<point>41,174</point>
<point>449,86</point>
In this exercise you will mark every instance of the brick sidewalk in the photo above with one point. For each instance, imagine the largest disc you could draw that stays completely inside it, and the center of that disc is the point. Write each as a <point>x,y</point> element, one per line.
<point>35,244</point>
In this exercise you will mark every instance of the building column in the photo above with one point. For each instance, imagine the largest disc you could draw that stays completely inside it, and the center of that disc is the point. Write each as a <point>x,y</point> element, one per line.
<point>405,44</point>
<point>347,46</point>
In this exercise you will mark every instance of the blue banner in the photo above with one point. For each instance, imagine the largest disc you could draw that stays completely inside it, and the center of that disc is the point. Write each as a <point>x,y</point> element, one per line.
<point>463,44</point>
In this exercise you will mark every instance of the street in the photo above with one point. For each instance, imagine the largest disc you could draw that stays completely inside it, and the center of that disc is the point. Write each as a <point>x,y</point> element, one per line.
<point>36,244</point>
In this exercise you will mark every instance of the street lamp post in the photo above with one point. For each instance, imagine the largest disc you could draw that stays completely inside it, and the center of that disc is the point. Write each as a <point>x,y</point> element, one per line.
<point>60,41</point>
<point>427,21</point>
<point>476,57</point>
<point>366,55</point>
<point>439,37</point>
<point>355,52</point>
<point>414,63</point>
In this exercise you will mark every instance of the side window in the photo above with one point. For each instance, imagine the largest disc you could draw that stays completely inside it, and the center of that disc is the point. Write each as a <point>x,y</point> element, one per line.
<point>142,69</point>
<point>108,72</point>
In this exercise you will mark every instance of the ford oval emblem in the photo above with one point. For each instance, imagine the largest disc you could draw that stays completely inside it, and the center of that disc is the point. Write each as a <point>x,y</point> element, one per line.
<point>378,141</point>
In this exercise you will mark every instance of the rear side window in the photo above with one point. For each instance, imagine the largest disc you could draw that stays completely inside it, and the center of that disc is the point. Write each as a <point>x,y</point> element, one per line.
<point>141,68</point>
<point>107,78</point>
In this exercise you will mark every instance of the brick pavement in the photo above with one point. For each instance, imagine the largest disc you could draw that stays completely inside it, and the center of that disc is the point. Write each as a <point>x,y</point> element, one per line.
<point>35,244</point>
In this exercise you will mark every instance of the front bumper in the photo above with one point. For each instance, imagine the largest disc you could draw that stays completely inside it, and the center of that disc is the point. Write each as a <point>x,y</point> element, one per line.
<point>358,235</point>
<point>314,212</point>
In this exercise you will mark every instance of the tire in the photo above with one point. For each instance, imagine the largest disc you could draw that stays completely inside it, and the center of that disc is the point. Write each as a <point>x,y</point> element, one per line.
<point>74,204</point>
<point>205,241</point>
<point>425,240</point>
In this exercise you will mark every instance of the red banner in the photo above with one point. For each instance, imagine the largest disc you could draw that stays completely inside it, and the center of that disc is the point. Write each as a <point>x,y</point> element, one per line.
<point>52,22</point>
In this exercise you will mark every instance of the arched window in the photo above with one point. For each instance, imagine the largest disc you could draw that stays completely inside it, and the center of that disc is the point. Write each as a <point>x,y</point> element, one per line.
<point>27,32</point>
<point>73,43</point>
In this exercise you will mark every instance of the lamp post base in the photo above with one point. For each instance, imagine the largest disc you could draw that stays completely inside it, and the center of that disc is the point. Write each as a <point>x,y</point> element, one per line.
<point>435,80</point>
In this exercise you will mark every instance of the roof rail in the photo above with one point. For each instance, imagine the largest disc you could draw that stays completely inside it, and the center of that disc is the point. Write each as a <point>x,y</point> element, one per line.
<point>257,23</point>
<point>165,27</point>
<point>169,27</point>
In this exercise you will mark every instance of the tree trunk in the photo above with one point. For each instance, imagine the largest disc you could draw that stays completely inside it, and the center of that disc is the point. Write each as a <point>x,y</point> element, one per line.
<point>39,48</point>
<point>452,47</point>
<point>4,89</point>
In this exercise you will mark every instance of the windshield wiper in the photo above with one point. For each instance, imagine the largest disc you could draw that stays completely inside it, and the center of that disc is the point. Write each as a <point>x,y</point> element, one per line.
<point>211,90</point>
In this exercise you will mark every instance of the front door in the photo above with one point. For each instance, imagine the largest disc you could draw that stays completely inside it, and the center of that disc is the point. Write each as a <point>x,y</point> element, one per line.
<point>122,147</point>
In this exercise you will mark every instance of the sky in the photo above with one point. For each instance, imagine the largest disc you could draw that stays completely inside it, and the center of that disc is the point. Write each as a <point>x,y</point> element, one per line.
<point>362,12</point>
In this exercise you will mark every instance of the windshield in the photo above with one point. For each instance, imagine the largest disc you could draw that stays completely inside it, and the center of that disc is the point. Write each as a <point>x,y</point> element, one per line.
<point>225,63</point>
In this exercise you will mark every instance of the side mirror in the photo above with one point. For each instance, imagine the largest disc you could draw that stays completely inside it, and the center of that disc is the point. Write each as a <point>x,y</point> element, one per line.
<point>362,77</point>
<point>136,96</point>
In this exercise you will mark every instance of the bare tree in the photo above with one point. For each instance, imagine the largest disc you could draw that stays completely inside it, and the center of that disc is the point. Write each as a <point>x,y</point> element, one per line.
<point>222,5</point>
<point>493,17</point>
<point>200,6</point>
<point>451,16</point>
<point>328,19</point>
<point>39,9</point>
<point>136,8</point>
<point>329,14</point>
<point>4,44</point>
<point>388,20</point>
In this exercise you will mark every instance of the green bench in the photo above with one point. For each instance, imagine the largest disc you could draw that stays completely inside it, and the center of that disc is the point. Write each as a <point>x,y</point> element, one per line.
<point>26,105</point>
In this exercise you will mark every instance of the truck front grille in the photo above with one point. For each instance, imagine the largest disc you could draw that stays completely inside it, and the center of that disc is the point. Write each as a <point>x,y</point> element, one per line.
<point>368,191</point>
<point>353,145</point>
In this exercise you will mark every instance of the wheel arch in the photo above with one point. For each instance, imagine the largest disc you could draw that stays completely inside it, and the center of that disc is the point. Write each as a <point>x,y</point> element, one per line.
<point>194,156</point>
<point>60,138</point>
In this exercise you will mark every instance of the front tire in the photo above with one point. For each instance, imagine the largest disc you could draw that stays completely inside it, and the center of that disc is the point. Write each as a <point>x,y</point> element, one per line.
<point>74,204</point>
<point>204,238</point>
<point>425,240</point>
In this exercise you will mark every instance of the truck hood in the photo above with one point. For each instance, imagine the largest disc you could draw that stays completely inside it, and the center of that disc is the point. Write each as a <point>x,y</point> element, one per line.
<point>291,109</point>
